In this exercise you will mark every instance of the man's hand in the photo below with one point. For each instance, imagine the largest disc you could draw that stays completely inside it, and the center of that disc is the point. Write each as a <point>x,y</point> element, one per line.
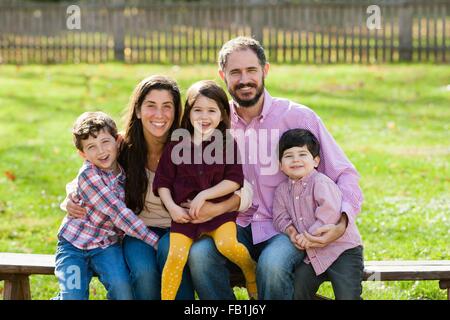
<point>207,212</point>
<point>325,235</point>
<point>74,210</point>
<point>302,242</point>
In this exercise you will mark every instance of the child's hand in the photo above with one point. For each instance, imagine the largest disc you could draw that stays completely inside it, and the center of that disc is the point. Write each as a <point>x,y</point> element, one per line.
<point>179,214</point>
<point>293,233</point>
<point>196,204</point>
<point>302,241</point>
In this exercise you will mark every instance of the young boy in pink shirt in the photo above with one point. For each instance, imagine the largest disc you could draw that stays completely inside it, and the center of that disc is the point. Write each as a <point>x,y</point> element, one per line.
<point>305,202</point>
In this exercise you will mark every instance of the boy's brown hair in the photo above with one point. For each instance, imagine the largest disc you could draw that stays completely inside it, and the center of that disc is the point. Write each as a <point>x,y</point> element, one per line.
<point>90,124</point>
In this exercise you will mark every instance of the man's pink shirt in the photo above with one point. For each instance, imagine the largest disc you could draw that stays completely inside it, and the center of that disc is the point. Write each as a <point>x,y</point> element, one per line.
<point>260,137</point>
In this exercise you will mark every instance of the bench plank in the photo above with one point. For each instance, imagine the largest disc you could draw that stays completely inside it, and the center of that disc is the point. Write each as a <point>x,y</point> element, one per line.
<point>23,263</point>
<point>16,267</point>
<point>407,270</point>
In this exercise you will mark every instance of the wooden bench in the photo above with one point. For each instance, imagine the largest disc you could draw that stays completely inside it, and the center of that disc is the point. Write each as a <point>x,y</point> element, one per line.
<point>15,269</point>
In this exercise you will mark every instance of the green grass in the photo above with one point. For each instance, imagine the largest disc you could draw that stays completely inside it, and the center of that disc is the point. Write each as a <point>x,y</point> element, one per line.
<point>391,120</point>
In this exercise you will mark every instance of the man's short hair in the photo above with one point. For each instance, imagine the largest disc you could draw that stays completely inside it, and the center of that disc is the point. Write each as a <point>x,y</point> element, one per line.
<point>298,138</point>
<point>238,44</point>
<point>90,124</point>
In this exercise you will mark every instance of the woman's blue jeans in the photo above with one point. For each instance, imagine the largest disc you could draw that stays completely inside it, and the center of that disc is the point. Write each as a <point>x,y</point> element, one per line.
<point>146,265</point>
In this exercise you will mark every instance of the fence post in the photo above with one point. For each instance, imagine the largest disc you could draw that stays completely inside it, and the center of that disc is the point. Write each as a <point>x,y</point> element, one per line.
<point>257,22</point>
<point>118,30</point>
<point>405,26</point>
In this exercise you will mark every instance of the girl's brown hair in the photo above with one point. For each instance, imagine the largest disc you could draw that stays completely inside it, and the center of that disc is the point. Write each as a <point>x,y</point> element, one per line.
<point>133,156</point>
<point>211,90</point>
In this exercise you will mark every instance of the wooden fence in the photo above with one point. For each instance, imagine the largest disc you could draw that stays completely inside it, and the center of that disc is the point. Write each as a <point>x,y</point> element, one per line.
<point>193,32</point>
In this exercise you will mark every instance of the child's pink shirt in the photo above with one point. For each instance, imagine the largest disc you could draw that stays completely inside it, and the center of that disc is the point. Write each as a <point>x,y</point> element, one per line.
<point>307,204</point>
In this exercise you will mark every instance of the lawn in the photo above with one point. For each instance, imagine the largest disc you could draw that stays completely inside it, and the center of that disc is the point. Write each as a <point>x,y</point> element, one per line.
<point>391,120</point>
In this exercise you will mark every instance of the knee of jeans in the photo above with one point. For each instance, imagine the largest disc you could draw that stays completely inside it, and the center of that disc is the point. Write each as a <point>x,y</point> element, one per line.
<point>144,273</point>
<point>203,253</point>
<point>120,289</point>
<point>272,265</point>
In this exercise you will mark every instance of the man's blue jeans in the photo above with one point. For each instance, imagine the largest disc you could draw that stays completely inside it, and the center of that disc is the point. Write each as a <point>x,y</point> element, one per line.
<point>146,265</point>
<point>276,257</point>
<point>74,269</point>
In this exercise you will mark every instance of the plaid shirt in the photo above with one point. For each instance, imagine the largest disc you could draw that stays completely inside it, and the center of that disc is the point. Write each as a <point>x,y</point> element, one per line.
<point>107,218</point>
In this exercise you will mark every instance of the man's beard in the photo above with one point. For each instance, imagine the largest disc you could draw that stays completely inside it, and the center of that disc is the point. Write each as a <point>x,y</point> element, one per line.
<point>247,103</point>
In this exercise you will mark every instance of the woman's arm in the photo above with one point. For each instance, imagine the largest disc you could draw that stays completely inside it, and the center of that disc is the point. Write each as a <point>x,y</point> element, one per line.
<point>73,210</point>
<point>70,203</point>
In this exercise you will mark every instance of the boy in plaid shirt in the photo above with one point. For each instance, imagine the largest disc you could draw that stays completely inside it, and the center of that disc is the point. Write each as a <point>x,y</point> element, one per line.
<point>90,245</point>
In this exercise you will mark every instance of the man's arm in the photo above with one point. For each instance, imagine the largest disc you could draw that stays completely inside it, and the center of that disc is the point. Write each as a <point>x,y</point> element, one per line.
<point>336,166</point>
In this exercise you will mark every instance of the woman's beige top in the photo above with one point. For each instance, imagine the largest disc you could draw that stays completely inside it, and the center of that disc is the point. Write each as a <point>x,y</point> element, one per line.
<point>154,213</point>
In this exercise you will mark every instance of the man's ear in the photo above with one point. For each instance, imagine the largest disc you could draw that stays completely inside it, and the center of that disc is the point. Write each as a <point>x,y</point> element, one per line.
<point>222,74</point>
<point>316,161</point>
<point>266,69</point>
<point>82,154</point>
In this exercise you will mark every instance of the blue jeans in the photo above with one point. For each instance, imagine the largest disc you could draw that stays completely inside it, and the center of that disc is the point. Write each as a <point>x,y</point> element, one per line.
<point>276,257</point>
<point>74,269</point>
<point>146,265</point>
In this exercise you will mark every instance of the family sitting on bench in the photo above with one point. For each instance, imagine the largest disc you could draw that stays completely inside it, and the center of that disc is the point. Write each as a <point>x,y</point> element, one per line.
<point>302,225</point>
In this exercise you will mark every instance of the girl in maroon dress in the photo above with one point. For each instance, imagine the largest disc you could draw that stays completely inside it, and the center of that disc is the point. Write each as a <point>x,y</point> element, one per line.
<point>200,168</point>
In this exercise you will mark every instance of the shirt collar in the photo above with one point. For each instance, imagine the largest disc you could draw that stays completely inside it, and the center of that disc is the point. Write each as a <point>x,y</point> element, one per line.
<point>303,181</point>
<point>109,173</point>
<point>267,104</point>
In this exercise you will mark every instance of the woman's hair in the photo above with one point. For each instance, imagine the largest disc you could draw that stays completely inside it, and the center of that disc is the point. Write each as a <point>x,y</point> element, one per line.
<point>213,91</point>
<point>133,156</point>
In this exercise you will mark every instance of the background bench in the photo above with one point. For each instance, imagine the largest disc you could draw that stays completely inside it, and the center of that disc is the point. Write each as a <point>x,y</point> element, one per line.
<point>15,269</point>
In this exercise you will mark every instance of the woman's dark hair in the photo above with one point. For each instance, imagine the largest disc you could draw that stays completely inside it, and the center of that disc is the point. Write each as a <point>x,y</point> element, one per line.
<point>213,91</point>
<point>133,156</point>
<point>298,138</point>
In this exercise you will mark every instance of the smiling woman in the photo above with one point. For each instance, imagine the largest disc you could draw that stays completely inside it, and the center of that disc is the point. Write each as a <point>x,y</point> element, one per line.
<point>157,113</point>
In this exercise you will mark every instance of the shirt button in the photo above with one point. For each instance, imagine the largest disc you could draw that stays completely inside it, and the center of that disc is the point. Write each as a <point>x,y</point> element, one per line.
<point>296,198</point>
<point>301,219</point>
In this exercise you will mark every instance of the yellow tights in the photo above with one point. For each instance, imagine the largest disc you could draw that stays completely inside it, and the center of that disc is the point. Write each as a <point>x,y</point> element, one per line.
<point>225,238</point>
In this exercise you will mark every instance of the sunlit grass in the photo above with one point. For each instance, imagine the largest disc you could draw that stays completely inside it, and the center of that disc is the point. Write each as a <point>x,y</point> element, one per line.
<point>391,120</point>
